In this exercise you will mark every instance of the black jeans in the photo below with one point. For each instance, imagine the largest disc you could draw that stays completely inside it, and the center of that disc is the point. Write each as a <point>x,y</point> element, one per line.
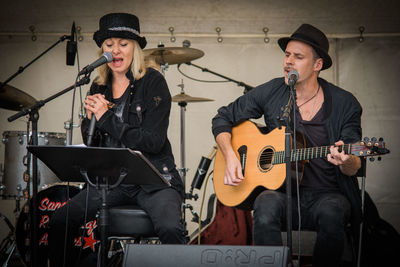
<point>325,213</point>
<point>163,207</point>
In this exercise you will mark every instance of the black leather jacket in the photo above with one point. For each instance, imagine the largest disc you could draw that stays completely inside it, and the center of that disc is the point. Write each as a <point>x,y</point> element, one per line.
<point>145,123</point>
<point>342,122</point>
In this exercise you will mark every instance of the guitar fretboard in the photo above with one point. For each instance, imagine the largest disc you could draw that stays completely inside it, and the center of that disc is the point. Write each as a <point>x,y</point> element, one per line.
<point>308,153</point>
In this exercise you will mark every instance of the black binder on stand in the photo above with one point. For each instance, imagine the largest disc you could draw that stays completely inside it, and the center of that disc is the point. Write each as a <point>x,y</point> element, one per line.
<point>101,167</point>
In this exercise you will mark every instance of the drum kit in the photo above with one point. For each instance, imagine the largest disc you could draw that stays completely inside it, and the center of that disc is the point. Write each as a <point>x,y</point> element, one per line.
<point>18,166</point>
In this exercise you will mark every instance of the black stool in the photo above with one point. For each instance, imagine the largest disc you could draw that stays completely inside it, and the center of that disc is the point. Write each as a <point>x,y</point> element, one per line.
<point>130,222</point>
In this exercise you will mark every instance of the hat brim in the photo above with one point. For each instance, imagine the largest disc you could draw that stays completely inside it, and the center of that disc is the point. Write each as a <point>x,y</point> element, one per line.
<point>100,36</point>
<point>327,61</point>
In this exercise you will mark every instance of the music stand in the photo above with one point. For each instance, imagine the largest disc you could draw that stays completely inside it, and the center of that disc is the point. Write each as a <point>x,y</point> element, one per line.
<point>101,167</point>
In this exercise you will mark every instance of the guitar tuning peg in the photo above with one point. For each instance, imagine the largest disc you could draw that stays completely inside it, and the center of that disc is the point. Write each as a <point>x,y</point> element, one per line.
<point>380,139</point>
<point>372,159</point>
<point>366,139</point>
<point>373,139</point>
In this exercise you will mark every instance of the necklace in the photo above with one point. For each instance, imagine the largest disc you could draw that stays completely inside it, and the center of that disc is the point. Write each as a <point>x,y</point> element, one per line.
<point>312,110</point>
<point>316,93</point>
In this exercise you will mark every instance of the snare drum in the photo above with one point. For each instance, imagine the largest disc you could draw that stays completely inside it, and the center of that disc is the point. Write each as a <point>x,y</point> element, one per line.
<point>49,200</point>
<point>15,162</point>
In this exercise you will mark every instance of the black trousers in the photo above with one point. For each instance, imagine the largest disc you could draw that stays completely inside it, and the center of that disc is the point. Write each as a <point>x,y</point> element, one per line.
<point>163,207</point>
<point>325,213</point>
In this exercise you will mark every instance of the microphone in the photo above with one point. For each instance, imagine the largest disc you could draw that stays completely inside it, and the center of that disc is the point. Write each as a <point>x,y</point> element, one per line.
<point>293,76</point>
<point>91,130</point>
<point>202,169</point>
<point>105,58</point>
<point>71,47</point>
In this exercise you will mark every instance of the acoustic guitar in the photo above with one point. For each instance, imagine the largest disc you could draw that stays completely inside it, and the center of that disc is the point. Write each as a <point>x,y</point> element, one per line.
<point>262,157</point>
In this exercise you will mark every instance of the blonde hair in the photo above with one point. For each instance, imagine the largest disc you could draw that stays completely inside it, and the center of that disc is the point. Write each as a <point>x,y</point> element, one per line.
<point>138,65</point>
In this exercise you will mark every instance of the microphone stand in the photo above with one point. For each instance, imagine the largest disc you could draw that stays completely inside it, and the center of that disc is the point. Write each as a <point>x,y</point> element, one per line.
<point>33,113</point>
<point>247,87</point>
<point>21,69</point>
<point>285,120</point>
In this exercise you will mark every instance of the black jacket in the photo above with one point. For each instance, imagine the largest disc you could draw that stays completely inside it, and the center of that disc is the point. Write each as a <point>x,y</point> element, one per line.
<point>342,122</point>
<point>146,120</point>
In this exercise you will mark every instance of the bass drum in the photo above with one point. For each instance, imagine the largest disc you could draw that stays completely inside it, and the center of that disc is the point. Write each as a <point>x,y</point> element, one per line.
<point>49,200</point>
<point>15,162</point>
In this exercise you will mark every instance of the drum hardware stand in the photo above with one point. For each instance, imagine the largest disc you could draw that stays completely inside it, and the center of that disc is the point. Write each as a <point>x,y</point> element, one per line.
<point>7,245</point>
<point>33,114</point>
<point>164,65</point>
<point>247,87</point>
<point>2,186</point>
<point>183,169</point>
<point>69,127</point>
<point>68,130</point>
<point>21,69</point>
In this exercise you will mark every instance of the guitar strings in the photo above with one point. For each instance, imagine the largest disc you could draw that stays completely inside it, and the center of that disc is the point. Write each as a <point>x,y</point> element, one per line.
<point>307,152</point>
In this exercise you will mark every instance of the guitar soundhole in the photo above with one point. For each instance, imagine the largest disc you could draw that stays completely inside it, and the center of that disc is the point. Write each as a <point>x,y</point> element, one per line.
<point>265,159</point>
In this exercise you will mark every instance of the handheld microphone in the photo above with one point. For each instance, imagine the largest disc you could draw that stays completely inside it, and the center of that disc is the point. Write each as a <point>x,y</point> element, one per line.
<point>105,58</point>
<point>71,47</point>
<point>91,130</point>
<point>293,76</point>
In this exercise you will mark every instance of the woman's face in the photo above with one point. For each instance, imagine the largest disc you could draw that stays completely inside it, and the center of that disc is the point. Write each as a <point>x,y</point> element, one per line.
<point>122,51</point>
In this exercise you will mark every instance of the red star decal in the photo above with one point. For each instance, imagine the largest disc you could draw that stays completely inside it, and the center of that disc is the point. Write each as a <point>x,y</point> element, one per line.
<point>90,242</point>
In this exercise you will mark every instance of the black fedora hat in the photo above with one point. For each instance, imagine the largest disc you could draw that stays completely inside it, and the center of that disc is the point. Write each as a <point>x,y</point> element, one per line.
<point>308,34</point>
<point>120,25</point>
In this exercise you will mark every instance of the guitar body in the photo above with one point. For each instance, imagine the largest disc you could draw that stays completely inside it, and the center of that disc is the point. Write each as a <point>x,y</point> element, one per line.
<point>259,173</point>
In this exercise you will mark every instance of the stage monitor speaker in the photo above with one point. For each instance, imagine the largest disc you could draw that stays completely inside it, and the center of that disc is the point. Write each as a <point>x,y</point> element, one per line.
<point>205,255</point>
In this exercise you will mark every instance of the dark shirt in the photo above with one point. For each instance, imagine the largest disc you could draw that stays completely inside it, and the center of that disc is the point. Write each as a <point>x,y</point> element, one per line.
<point>318,174</point>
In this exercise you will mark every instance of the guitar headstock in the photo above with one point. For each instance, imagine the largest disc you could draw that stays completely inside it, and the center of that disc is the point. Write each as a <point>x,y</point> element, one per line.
<point>369,147</point>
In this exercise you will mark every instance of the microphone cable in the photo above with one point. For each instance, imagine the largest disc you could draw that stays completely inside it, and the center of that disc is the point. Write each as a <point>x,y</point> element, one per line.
<point>66,228</point>
<point>84,226</point>
<point>82,109</point>
<point>81,114</point>
<point>72,111</point>
<point>201,208</point>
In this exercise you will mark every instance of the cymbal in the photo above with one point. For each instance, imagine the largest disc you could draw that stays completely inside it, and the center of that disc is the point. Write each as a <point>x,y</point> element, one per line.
<point>182,97</point>
<point>14,99</point>
<point>172,55</point>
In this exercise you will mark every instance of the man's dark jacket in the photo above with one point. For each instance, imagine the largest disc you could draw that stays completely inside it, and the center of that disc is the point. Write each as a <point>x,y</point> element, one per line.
<point>342,122</point>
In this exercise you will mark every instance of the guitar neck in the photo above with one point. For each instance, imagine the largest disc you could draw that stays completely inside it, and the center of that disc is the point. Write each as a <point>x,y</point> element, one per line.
<point>309,153</point>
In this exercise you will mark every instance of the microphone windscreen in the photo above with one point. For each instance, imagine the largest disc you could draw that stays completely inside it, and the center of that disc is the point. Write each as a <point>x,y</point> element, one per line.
<point>71,47</point>
<point>108,56</point>
<point>71,52</point>
<point>293,75</point>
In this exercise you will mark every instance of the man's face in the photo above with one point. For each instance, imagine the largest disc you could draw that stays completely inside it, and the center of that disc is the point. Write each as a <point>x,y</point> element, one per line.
<point>299,56</point>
